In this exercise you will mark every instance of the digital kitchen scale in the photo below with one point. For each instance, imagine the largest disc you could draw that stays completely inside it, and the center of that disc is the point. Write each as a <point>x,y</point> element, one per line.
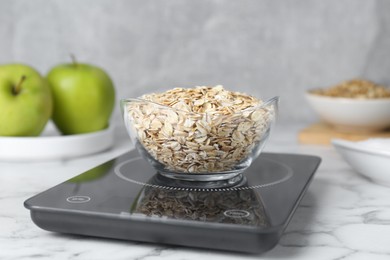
<point>126,199</point>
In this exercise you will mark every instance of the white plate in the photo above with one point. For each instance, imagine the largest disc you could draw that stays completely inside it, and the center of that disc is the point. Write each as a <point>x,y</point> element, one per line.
<point>52,146</point>
<point>370,158</point>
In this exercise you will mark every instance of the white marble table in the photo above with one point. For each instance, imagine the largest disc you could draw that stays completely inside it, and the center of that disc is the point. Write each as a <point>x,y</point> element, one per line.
<point>342,216</point>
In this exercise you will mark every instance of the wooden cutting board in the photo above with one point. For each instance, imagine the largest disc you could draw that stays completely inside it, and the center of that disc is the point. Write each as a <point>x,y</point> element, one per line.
<point>322,134</point>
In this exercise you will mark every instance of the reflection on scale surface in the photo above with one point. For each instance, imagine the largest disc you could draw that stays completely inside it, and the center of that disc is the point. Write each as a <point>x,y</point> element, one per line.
<point>236,206</point>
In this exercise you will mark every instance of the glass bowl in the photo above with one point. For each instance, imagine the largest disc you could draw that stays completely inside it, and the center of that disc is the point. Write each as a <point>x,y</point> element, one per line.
<point>192,146</point>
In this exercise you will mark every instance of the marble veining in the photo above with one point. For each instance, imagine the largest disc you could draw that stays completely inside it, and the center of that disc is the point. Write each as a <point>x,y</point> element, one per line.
<point>342,216</point>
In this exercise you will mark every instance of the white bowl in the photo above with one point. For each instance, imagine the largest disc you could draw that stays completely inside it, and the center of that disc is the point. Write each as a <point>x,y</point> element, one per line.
<point>352,115</point>
<point>370,158</point>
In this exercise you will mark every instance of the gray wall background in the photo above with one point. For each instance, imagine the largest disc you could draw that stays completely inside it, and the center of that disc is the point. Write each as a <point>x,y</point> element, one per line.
<point>264,48</point>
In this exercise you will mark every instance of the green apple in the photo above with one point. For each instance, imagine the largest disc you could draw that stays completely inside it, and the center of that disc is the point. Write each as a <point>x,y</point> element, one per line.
<point>84,97</point>
<point>25,101</point>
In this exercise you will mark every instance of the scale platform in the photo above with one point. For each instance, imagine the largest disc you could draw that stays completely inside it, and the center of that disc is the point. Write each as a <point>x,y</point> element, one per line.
<point>126,199</point>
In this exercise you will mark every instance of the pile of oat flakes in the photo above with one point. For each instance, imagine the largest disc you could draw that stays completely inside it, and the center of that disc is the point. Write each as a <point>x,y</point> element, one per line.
<point>355,88</point>
<point>201,129</point>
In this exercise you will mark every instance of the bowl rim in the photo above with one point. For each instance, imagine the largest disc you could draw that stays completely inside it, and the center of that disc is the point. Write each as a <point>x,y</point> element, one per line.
<point>309,93</point>
<point>354,146</point>
<point>274,100</point>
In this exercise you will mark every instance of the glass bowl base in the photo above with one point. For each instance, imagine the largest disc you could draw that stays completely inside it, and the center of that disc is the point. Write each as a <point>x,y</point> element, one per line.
<point>194,180</point>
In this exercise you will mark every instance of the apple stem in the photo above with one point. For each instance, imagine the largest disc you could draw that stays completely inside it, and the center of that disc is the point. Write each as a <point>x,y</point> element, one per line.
<point>74,61</point>
<point>16,89</point>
